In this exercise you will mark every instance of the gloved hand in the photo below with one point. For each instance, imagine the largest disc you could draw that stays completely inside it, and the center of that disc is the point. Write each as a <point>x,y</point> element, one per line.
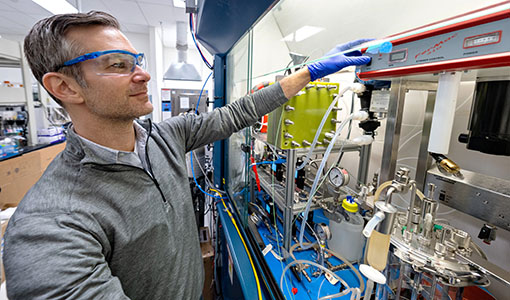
<point>336,63</point>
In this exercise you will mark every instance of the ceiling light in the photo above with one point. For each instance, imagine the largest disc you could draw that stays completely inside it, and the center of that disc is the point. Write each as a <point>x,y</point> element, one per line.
<point>57,6</point>
<point>302,34</point>
<point>306,32</point>
<point>179,3</point>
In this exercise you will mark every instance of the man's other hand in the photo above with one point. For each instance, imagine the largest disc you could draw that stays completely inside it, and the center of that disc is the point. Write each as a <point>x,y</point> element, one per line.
<point>330,65</point>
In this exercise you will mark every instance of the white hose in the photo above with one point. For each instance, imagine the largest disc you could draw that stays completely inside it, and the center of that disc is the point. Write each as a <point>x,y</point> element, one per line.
<point>323,121</point>
<point>360,115</point>
<point>376,219</point>
<point>302,261</point>
<point>355,294</point>
<point>340,257</point>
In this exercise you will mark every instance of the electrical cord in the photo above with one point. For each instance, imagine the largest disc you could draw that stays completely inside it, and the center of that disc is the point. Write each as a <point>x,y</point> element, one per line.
<point>244,243</point>
<point>201,91</point>
<point>191,152</point>
<point>191,26</point>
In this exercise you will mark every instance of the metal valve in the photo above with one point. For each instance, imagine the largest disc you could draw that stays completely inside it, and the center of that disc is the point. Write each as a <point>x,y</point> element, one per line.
<point>288,135</point>
<point>288,122</point>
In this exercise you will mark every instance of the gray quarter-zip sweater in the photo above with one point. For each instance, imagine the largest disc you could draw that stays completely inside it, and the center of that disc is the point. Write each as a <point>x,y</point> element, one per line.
<point>92,229</point>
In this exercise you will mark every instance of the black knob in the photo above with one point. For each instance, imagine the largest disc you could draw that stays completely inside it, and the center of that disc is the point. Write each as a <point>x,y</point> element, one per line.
<point>463,138</point>
<point>487,233</point>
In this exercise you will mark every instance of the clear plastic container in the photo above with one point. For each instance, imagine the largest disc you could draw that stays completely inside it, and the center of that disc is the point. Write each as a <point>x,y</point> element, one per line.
<point>346,227</point>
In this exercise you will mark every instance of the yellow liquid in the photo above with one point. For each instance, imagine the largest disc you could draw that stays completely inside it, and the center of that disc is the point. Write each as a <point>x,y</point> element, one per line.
<point>377,254</point>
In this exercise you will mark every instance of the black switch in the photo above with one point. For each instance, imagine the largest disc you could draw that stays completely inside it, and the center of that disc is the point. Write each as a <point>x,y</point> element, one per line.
<point>442,196</point>
<point>487,233</point>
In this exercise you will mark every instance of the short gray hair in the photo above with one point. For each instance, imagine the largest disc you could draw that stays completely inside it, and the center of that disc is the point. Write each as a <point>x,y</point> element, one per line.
<point>47,48</point>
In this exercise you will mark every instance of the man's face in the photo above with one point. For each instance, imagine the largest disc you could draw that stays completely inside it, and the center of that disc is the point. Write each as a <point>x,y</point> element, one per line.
<point>111,97</point>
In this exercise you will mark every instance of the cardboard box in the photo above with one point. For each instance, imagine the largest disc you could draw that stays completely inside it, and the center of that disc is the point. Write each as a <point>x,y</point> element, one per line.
<point>19,174</point>
<point>49,153</point>
<point>2,273</point>
<point>208,259</point>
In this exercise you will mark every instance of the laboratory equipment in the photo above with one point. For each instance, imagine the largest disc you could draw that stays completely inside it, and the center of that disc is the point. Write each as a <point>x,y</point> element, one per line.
<point>346,225</point>
<point>490,103</point>
<point>294,124</point>
<point>427,247</point>
<point>286,173</point>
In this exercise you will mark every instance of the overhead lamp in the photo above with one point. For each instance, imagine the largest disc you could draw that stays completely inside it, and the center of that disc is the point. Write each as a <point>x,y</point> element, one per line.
<point>57,6</point>
<point>180,3</point>
<point>181,70</point>
<point>302,33</point>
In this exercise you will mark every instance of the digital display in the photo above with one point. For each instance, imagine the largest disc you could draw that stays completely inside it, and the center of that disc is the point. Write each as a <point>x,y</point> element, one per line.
<point>482,40</point>
<point>398,55</point>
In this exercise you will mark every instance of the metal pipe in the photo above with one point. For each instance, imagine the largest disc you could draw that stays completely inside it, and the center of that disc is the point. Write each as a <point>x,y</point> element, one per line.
<point>411,204</point>
<point>389,193</point>
<point>289,198</point>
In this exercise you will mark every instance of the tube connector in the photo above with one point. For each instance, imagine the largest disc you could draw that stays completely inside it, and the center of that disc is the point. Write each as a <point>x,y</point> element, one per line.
<point>358,88</point>
<point>329,135</point>
<point>288,122</point>
<point>376,219</point>
<point>360,115</point>
<point>363,140</point>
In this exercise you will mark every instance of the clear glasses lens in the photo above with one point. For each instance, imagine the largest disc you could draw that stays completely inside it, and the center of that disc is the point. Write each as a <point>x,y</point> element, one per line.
<point>118,64</point>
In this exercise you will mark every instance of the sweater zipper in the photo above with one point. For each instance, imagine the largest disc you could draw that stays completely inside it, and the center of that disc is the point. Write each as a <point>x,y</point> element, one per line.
<point>156,183</point>
<point>149,166</point>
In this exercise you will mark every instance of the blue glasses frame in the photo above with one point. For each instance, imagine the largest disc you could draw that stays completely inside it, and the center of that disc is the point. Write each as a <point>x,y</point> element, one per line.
<point>92,55</point>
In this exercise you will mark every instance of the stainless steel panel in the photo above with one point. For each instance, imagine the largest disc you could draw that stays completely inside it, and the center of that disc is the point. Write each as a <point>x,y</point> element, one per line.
<point>392,133</point>
<point>424,159</point>
<point>481,196</point>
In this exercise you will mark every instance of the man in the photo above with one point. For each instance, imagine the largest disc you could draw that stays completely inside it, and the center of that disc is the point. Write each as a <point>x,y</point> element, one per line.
<point>112,218</point>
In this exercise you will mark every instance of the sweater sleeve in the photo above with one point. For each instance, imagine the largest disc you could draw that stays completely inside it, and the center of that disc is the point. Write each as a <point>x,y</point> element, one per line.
<point>55,257</point>
<point>199,130</point>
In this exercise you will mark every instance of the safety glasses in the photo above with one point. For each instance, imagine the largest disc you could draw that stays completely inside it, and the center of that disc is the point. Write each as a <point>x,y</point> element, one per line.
<point>110,62</point>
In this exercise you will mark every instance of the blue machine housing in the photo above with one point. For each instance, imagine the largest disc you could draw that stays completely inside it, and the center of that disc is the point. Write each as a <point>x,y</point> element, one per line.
<point>221,23</point>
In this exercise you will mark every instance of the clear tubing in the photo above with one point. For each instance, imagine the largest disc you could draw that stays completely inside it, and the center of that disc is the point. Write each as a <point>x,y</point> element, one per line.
<point>340,257</point>
<point>303,261</point>
<point>411,204</point>
<point>368,292</point>
<point>360,279</point>
<point>316,181</point>
<point>319,130</point>
<point>355,294</point>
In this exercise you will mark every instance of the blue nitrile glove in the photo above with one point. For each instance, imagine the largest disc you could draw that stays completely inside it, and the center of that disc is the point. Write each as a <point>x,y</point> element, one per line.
<point>336,63</point>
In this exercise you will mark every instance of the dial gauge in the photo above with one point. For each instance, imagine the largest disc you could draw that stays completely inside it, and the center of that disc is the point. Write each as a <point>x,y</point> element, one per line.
<point>338,177</point>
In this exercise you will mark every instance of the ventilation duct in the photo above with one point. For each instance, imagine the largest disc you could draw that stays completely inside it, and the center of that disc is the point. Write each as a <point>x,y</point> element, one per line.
<point>181,70</point>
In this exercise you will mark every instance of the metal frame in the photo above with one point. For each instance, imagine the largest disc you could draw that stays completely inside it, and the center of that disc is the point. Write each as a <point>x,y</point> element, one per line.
<point>392,133</point>
<point>398,90</point>
<point>289,198</point>
<point>424,159</point>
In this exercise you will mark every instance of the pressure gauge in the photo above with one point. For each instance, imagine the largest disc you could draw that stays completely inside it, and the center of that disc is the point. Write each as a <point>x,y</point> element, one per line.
<point>338,177</point>
<point>323,232</point>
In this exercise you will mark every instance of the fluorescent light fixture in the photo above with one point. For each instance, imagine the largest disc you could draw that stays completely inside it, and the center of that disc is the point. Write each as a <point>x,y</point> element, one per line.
<point>302,34</point>
<point>307,31</point>
<point>180,3</point>
<point>57,6</point>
